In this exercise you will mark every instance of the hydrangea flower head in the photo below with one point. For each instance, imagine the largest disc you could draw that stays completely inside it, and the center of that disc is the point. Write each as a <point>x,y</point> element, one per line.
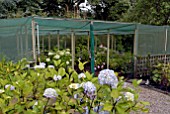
<point>75,85</point>
<point>1,91</point>
<point>129,96</point>
<point>81,75</point>
<point>51,66</point>
<point>48,59</point>
<point>50,53</point>
<point>50,93</point>
<point>89,89</point>
<point>56,78</point>
<point>67,62</point>
<point>108,77</point>
<point>10,86</point>
<point>57,56</point>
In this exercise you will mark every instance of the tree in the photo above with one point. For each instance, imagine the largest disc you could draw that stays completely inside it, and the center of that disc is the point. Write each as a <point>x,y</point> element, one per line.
<point>110,9</point>
<point>155,12</point>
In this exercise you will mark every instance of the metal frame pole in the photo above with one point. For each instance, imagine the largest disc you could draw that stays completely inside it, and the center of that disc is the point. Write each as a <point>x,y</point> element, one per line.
<point>92,47</point>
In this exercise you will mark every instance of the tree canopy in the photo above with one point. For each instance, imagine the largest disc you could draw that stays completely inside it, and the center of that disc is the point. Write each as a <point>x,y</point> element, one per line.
<point>155,12</point>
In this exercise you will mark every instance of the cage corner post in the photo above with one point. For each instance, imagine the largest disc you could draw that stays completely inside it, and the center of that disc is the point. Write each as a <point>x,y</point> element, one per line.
<point>33,41</point>
<point>92,47</point>
<point>135,44</point>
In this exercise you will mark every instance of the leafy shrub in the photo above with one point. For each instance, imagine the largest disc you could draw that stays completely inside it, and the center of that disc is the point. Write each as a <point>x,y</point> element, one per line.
<point>161,74</point>
<point>49,90</point>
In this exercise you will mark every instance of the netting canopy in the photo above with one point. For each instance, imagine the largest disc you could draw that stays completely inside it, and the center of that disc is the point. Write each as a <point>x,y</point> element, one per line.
<point>18,37</point>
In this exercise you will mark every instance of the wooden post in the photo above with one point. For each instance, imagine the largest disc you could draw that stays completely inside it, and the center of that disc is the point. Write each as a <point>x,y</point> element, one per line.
<point>33,41</point>
<point>108,48</point>
<point>135,51</point>
<point>72,49</point>
<point>166,39</point>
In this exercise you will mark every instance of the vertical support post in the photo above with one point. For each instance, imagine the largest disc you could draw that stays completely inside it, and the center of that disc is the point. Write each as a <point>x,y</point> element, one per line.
<point>92,47</point>
<point>58,40</point>
<point>166,39</point>
<point>112,42</point>
<point>33,41</point>
<point>72,49</point>
<point>108,48</point>
<point>135,50</point>
<point>38,42</point>
<point>49,42</point>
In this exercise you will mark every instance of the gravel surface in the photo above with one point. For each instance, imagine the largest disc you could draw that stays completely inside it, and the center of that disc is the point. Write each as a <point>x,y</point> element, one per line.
<point>159,102</point>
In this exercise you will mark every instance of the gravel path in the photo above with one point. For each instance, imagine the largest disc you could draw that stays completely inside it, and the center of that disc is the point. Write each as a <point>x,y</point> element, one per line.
<point>159,102</point>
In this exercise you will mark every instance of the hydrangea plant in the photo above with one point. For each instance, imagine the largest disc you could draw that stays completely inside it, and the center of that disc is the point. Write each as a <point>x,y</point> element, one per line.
<point>62,91</point>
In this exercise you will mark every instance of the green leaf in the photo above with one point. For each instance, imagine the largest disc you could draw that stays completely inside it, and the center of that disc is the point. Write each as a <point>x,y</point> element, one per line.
<point>81,66</point>
<point>89,76</point>
<point>139,81</point>
<point>107,107</point>
<point>95,79</point>
<point>61,71</point>
<point>115,93</point>
<point>57,63</point>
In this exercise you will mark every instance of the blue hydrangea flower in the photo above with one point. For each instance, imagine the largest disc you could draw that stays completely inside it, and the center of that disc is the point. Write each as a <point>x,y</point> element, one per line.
<point>108,77</point>
<point>89,89</point>
<point>50,93</point>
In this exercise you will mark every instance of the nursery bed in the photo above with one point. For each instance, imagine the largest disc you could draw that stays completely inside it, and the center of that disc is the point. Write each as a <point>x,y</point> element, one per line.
<point>159,102</point>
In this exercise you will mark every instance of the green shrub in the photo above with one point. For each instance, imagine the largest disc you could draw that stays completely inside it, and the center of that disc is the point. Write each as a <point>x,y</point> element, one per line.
<point>49,90</point>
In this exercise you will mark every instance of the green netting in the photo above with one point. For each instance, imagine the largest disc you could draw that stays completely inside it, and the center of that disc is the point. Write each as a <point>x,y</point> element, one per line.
<point>152,40</point>
<point>15,39</point>
<point>16,34</point>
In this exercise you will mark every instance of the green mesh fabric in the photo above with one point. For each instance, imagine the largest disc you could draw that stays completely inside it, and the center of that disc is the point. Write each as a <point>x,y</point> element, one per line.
<point>152,40</point>
<point>15,39</point>
<point>16,34</point>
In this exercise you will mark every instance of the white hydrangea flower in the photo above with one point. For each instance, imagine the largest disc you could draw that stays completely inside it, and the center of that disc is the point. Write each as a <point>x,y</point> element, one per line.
<point>75,85</point>
<point>51,53</point>
<point>1,91</point>
<point>39,67</point>
<point>81,75</point>
<point>61,53</point>
<point>56,78</point>
<point>67,62</point>
<point>10,86</point>
<point>48,59</point>
<point>50,93</point>
<point>51,66</point>
<point>89,89</point>
<point>108,77</point>
<point>67,53</point>
<point>129,96</point>
<point>57,56</point>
